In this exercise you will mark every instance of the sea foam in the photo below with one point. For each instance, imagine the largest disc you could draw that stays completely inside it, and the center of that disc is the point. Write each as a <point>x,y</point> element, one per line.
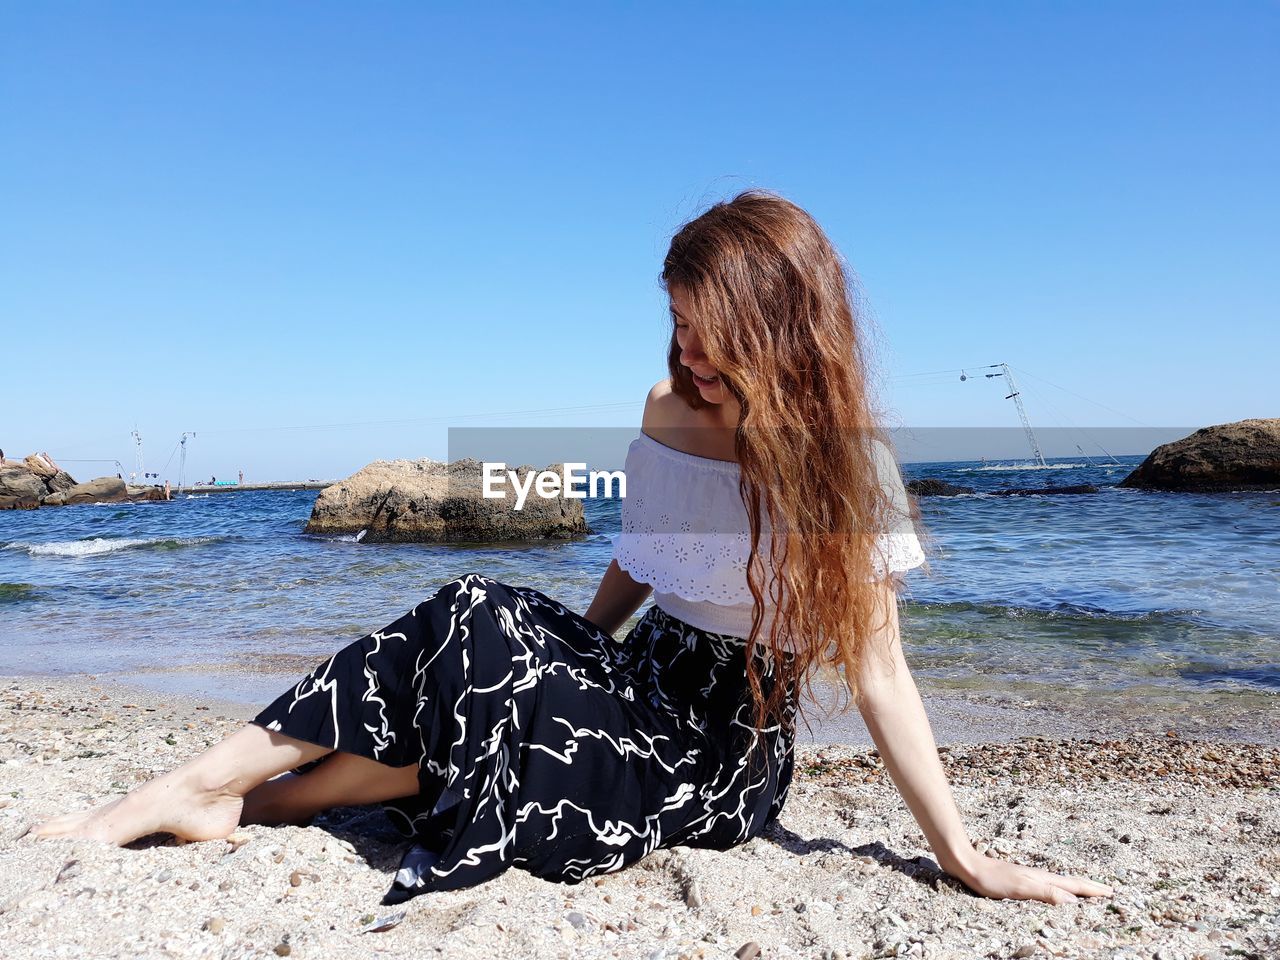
<point>100,545</point>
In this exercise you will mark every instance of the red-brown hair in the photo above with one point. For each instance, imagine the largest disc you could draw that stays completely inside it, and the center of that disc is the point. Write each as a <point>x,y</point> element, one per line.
<point>775,311</point>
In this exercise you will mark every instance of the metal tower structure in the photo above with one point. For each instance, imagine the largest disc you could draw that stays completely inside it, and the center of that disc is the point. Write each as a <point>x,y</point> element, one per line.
<point>1016,397</point>
<point>137,455</point>
<point>182,463</point>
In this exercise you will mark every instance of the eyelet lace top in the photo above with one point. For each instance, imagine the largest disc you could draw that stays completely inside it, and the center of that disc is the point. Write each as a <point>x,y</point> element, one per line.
<point>685,532</point>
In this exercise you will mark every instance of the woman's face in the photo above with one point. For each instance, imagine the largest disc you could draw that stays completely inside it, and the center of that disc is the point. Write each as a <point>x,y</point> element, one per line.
<point>705,376</point>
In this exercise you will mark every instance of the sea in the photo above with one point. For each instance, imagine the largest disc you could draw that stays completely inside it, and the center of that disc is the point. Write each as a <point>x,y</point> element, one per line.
<point>1121,600</point>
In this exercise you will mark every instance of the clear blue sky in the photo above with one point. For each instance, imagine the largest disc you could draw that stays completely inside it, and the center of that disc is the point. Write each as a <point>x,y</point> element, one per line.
<point>227,217</point>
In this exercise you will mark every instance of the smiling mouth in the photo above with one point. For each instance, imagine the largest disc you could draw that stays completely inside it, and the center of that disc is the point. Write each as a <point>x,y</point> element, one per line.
<point>705,381</point>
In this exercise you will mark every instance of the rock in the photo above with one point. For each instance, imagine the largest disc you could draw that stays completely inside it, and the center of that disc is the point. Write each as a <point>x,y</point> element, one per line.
<point>27,483</point>
<point>136,494</point>
<point>101,490</point>
<point>39,479</point>
<point>60,481</point>
<point>748,951</point>
<point>69,870</point>
<point>1244,455</point>
<point>1026,950</point>
<point>693,896</point>
<point>215,925</point>
<point>1042,491</point>
<point>19,503</point>
<point>936,488</point>
<point>429,501</point>
<point>576,919</point>
<point>42,465</point>
<point>16,481</point>
<point>238,840</point>
<point>282,949</point>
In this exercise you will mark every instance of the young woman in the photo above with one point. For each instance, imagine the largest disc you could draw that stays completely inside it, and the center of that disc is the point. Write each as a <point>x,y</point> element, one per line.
<point>498,728</point>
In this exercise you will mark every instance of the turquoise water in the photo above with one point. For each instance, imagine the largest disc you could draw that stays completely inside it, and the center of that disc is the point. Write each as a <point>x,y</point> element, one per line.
<point>1119,594</point>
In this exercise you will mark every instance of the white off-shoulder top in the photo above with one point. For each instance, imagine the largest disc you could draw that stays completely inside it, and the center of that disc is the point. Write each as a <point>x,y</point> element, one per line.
<point>685,531</point>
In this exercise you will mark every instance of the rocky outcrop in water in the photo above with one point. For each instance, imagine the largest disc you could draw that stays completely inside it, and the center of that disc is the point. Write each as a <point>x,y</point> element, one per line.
<point>940,488</point>
<point>936,488</point>
<point>1043,491</point>
<point>26,483</point>
<point>430,501</point>
<point>37,481</point>
<point>1244,455</point>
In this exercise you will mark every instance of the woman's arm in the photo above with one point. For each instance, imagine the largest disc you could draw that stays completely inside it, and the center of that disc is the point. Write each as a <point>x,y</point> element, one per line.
<point>891,706</point>
<point>617,598</point>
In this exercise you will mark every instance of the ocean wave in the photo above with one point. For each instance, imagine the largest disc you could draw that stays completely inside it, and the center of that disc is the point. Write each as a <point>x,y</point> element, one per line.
<point>1265,676</point>
<point>1062,610</point>
<point>1001,467</point>
<point>340,537</point>
<point>99,545</point>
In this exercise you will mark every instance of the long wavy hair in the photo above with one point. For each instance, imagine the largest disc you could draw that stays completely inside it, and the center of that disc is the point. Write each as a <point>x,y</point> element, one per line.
<point>775,310</point>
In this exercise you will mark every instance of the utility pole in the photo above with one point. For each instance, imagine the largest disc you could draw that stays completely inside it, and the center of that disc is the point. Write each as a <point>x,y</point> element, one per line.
<point>1016,397</point>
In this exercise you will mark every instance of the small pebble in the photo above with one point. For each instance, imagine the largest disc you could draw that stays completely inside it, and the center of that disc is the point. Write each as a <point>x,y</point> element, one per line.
<point>693,896</point>
<point>748,951</point>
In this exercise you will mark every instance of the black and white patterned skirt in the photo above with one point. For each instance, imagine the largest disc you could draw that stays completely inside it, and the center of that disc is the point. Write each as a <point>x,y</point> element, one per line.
<point>542,742</point>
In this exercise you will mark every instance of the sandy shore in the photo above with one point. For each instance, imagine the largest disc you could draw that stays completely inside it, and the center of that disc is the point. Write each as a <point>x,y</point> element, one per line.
<point>1186,829</point>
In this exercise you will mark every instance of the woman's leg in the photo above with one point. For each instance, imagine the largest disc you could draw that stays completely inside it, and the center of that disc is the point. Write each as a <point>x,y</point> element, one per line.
<point>200,800</point>
<point>342,779</point>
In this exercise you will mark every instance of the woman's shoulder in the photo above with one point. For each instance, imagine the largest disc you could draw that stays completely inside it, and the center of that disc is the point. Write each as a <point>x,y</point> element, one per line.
<point>670,421</point>
<point>662,408</point>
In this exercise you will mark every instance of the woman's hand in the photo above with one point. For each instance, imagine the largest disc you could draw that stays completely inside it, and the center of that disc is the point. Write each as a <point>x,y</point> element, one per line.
<point>1002,880</point>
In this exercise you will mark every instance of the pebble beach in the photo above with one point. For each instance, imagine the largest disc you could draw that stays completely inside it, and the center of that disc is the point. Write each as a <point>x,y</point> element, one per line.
<point>1185,829</point>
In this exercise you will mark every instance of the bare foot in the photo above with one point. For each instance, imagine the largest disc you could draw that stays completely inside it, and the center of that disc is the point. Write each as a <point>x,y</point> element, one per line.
<point>173,803</point>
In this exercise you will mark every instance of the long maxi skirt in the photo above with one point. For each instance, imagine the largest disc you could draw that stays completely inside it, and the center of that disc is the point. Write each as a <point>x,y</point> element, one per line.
<point>542,742</point>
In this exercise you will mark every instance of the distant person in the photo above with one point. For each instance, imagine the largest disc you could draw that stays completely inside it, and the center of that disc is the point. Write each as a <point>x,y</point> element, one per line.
<point>166,490</point>
<point>501,727</point>
<point>1,458</point>
<point>242,478</point>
